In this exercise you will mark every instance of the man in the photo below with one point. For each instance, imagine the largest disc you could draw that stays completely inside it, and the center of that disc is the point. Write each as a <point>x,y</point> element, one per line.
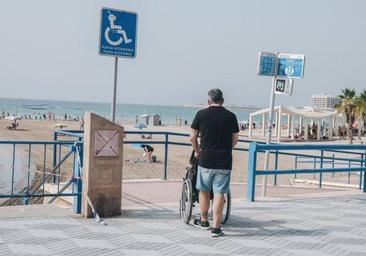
<point>219,131</point>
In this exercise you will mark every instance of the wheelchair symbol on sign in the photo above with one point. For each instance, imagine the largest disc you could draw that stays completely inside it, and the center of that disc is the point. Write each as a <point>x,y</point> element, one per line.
<point>289,71</point>
<point>113,28</point>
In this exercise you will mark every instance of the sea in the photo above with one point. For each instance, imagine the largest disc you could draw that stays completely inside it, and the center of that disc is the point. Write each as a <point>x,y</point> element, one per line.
<point>124,112</point>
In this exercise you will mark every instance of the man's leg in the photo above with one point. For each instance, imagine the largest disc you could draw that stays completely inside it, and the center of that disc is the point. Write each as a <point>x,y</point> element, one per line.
<point>218,206</point>
<point>149,156</point>
<point>220,186</point>
<point>203,184</point>
<point>204,204</point>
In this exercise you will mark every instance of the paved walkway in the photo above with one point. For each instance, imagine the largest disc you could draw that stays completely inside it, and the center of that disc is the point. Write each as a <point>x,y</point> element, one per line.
<point>316,227</point>
<point>158,191</point>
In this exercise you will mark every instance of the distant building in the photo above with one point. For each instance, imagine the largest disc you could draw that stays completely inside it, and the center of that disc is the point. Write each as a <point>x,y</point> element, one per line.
<point>324,101</point>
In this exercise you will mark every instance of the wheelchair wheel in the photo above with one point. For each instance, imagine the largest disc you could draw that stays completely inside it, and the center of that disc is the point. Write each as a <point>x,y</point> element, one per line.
<point>227,208</point>
<point>186,201</point>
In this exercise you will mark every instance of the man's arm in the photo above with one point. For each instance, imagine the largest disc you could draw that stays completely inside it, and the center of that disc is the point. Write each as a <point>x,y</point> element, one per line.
<point>235,139</point>
<point>194,141</point>
<point>235,131</point>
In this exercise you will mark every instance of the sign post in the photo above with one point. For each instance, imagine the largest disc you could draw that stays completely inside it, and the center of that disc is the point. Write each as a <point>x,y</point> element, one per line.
<point>113,109</point>
<point>283,68</point>
<point>118,32</point>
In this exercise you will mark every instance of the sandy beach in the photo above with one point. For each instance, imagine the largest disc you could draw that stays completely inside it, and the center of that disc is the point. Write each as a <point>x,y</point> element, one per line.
<point>135,165</point>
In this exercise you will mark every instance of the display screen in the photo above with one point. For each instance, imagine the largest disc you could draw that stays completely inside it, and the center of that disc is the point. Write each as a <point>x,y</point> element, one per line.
<point>280,85</point>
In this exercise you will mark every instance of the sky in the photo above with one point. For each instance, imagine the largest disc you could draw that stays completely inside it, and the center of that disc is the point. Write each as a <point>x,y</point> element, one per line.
<point>49,49</point>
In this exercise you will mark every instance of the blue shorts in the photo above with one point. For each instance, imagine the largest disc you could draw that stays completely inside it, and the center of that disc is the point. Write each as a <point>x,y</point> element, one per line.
<point>217,180</point>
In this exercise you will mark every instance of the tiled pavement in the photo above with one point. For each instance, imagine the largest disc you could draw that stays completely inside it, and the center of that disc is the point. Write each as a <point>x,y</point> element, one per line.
<point>316,227</point>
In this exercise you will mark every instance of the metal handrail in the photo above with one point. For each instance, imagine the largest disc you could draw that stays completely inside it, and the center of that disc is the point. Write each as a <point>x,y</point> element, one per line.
<point>36,190</point>
<point>255,148</point>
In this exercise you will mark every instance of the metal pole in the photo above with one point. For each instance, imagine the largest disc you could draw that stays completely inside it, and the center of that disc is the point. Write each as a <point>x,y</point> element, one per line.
<point>321,168</point>
<point>54,149</point>
<point>166,157</point>
<point>252,166</point>
<point>269,137</point>
<point>360,185</point>
<point>364,174</point>
<point>114,90</point>
<point>349,173</point>
<point>295,166</point>
<point>276,167</point>
<point>333,165</point>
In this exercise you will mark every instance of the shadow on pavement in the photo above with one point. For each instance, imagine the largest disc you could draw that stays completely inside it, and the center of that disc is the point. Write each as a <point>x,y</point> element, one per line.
<point>151,212</point>
<point>239,226</point>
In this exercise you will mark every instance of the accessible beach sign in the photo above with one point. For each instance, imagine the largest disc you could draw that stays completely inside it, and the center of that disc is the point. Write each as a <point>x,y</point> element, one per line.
<point>118,30</point>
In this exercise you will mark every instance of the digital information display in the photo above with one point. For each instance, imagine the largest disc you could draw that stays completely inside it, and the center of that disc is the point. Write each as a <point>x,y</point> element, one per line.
<point>267,64</point>
<point>291,65</point>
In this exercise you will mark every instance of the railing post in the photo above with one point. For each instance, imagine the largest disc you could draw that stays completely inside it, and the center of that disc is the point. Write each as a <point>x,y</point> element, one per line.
<point>166,156</point>
<point>77,182</point>
<point>13,171</point>
<point>360,185</point>
<point>252,166</point>
<point>295,166</point>
<point>321,167</point>
<point>349,173</point>
<point>314,167</point>
<point>26,199</point>
<point>54,149</point>
<point>364,173</point>
<point>276,167</point>
<point>333,165</point>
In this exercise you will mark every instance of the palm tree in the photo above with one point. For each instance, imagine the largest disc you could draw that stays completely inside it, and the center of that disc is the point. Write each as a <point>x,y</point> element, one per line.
<point>347,106</point>
<point>360,111</point>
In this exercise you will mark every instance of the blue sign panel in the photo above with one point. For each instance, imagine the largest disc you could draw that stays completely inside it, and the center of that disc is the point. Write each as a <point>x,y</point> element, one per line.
<point>291,65</point>
<point>117,33</point>
<point>267,64</point>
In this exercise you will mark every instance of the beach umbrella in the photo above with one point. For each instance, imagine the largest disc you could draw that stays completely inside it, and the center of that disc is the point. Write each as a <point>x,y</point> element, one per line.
<point>140,126</point>
<point>59,125</point>
<point>12,118</point>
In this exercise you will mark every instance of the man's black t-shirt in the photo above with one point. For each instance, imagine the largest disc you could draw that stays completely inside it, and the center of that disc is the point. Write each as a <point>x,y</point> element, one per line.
<point>216,126</point>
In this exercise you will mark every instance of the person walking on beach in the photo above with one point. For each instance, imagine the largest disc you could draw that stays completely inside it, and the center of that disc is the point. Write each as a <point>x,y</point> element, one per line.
<point>219,132</point>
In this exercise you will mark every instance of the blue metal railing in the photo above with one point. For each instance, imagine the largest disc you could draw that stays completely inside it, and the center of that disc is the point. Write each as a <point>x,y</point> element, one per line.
<point>332,162</point>
<point>74,148</point>
<point>255,148</point>
<point>36,189</point>
<point>166,141</point>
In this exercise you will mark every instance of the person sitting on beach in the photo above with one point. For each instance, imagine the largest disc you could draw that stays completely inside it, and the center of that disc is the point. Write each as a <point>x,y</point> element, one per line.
<point>148,150</point>
<point>13,125</point>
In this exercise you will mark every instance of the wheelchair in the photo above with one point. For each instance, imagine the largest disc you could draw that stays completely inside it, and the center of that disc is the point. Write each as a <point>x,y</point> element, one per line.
<point>190,195</point>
